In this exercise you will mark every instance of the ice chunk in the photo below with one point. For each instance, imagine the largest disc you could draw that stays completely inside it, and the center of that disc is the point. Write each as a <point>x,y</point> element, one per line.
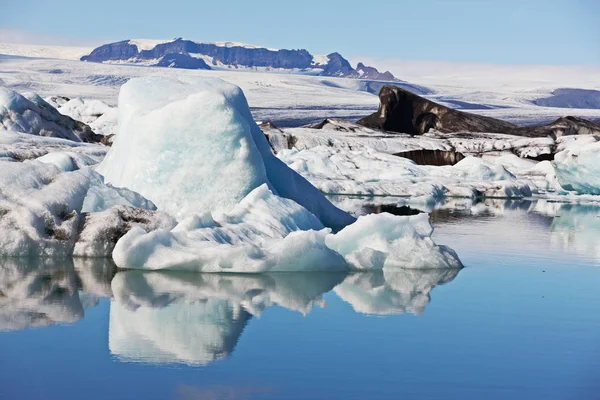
<point>101,117</point>
<point>41,207</point>
<point>101,196</point>
<point>16,146</point>
<point>378,241</point>
<point>578,167</point>
<point>269,233</point>
<point>263,233</point>
<point>191,146</point>
<point>29,113</point>
<point>61,160</point>
<point>368,172</point>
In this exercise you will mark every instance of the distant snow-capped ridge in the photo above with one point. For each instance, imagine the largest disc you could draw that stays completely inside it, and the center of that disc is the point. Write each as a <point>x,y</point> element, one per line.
<point>188,54</point>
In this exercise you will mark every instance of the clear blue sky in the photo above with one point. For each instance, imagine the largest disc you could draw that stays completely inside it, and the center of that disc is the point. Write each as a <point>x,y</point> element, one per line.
<point>509,31</point>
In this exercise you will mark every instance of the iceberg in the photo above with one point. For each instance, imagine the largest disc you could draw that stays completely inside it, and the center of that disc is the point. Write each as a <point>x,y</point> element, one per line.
<point>369,172</point>
<point>578,168</point>
<point>29,113</point>
<point>190,145</point>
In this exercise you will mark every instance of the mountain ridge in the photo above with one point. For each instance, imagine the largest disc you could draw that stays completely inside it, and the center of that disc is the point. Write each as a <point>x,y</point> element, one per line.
<point>188,54</point>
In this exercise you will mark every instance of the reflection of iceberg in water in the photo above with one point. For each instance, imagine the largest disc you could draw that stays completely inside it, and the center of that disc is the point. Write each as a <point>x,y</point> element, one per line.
<point>36,293</point>
<point>576,228</point>
<point>163,317</point>
<point>392,291</point>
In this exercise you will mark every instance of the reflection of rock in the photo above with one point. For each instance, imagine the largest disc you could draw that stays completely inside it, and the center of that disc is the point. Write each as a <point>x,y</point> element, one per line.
<point>37,293</point>
<point>392,291</point>
<point>166,317</point>
<point>95,275</point>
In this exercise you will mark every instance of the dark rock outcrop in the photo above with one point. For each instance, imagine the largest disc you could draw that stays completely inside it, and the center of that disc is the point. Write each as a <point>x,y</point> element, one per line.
<point>564,126</point>
<point>181,53</point>
<point>571,98</point>
<point>432,157</point>
<point>404,112</point>
<point>179,60</point>
<point>366,72</point>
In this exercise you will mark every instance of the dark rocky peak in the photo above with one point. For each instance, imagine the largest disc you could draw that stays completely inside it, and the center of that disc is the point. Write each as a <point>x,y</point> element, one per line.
<point>180,60</point>
<point>367,72</point>
<point>404,112</point>
<point>112,51</point>
<point>339,66</point>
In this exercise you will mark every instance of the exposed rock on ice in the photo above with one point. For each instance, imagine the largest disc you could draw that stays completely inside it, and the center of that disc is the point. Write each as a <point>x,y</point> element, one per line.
<point>102,230</point>
<point>432,157</point>
<point>217,156</point>
<point>405,112</point>
<point>31,114</point>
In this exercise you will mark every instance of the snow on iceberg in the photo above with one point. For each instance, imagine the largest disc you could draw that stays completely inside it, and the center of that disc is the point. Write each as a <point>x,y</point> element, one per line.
<point>578,167</point>
<point>191,146</point>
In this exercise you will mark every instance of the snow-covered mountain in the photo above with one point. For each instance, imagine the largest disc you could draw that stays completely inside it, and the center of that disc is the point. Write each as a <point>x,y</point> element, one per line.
<point>187,54</point>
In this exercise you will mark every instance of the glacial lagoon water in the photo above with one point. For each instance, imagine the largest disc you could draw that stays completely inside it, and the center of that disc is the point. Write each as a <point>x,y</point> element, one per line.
<point>521,321</point>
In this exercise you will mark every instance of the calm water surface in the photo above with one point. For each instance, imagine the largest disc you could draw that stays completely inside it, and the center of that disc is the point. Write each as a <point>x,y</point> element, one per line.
<point>521,321</point>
